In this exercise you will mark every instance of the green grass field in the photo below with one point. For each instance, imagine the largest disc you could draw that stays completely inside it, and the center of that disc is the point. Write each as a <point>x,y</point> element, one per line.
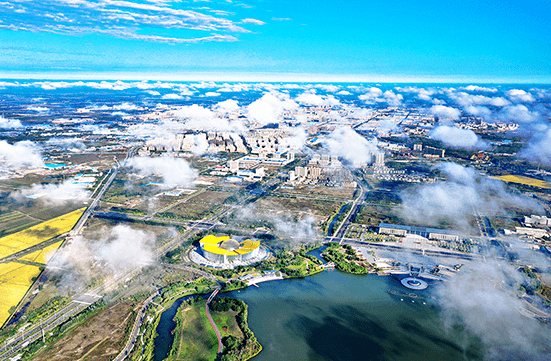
<point>194,337</point>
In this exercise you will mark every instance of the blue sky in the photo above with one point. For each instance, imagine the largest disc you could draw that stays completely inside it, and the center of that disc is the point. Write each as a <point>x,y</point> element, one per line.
<point>461,41</point>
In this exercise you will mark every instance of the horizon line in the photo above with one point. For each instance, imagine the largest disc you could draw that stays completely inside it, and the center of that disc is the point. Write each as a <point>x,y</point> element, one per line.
<point>272,77</point>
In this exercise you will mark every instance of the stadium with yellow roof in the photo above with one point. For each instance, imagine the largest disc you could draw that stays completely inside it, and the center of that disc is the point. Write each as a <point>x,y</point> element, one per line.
<point>225,249</point>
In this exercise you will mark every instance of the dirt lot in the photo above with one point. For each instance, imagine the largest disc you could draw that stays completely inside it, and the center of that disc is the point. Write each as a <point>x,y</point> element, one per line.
<point>320,192</point>
<point>298,207</point>
<point>99,338</point>
<point>373,215</point>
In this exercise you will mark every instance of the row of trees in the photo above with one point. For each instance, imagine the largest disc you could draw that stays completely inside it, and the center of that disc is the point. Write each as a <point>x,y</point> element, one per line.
<point>345,258</point>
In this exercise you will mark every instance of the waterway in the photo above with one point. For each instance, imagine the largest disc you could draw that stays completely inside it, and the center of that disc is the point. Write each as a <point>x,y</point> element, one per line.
<point>334,220</point>
<point>164,339</point>
<point>337,316</point>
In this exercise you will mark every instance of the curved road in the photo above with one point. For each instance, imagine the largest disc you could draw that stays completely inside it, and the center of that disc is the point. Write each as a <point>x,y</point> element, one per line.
<point>129,346</point>
<point>212,322</point>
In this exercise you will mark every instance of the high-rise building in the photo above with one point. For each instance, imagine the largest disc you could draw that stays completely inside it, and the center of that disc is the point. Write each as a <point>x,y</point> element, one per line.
<point>290,155</point>
<point>380,159</point>
<point>314,172</point>
<point>301,172</point>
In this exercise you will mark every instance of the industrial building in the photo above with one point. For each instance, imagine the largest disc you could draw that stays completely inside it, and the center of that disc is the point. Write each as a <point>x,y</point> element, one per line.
<point>225,249</point>
<point>429,233</point>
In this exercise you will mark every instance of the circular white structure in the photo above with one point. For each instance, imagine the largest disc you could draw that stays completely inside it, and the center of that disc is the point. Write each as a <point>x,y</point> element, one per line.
<point>414,283</point>
<point>225,249</point>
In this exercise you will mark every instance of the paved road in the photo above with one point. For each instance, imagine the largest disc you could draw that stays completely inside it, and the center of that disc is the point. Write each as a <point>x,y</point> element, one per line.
<point>129,346</point>
<point>341,231</point>
<point>212,322</point>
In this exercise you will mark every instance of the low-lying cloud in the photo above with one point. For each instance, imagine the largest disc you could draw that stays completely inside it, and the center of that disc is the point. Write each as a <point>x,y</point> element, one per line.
<point>270,107</point>
<point>345,142</point>
<point>443,111</point>
<point>53,193</point>
<point>110,250</point>
<point>484,298</point>
<point>20,155</point>
<point>174,171</point>
<point>452,202</point>
<point>6,123</point>
<point>458,138</point>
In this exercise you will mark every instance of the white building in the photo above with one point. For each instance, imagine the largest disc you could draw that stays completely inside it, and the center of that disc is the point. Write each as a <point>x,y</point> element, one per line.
<point>537,220</point>
<point>234,166</point>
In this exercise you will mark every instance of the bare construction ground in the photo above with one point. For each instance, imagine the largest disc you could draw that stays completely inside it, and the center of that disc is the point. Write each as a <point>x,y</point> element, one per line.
<point>101,337</point>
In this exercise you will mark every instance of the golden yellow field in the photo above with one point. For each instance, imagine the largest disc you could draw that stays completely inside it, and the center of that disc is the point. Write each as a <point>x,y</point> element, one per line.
<point>524,180</point>
<point>37,234</point>
<point>15,280</point>
<point>43,255</point>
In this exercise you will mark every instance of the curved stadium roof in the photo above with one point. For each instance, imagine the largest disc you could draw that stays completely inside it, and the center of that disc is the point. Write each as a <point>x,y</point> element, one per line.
<point>224,246</point>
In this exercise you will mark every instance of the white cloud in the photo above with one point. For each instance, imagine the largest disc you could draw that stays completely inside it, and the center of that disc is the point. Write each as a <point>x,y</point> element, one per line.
<point>476,88</point>
<point>328,87</point>
<point>20,155</point>
<point>520,95</point>
<point>121,19</point>
<point>297,139</point>
<point>40,110</point>
<point>458,138</point>
<point>116,249</point>
<point>269,108</point>
<point>478,111</point>
<point>376,95</point>
<point>371,95</point>
<point>452,201</point>
<point>126,106</point>
<point>344,92</point>
<point>538,149</point>
<point>192,111</point>
<point>311,98</point>
<point>465,99</point>
<point>392,98</point>
<point>6,123</point>
<point>172,96</point>
<point>519,113</point>
<point>483,298</point>
<point>227,106</point>
<point>443,111</point>
<point>199,118</point>
<point>174,171</point>
<point>55,193</point>
<point>422,93</point>
<point>253,21</point>
<point>65,143</point>
<point>346,143</point>
<point>212,94</point>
